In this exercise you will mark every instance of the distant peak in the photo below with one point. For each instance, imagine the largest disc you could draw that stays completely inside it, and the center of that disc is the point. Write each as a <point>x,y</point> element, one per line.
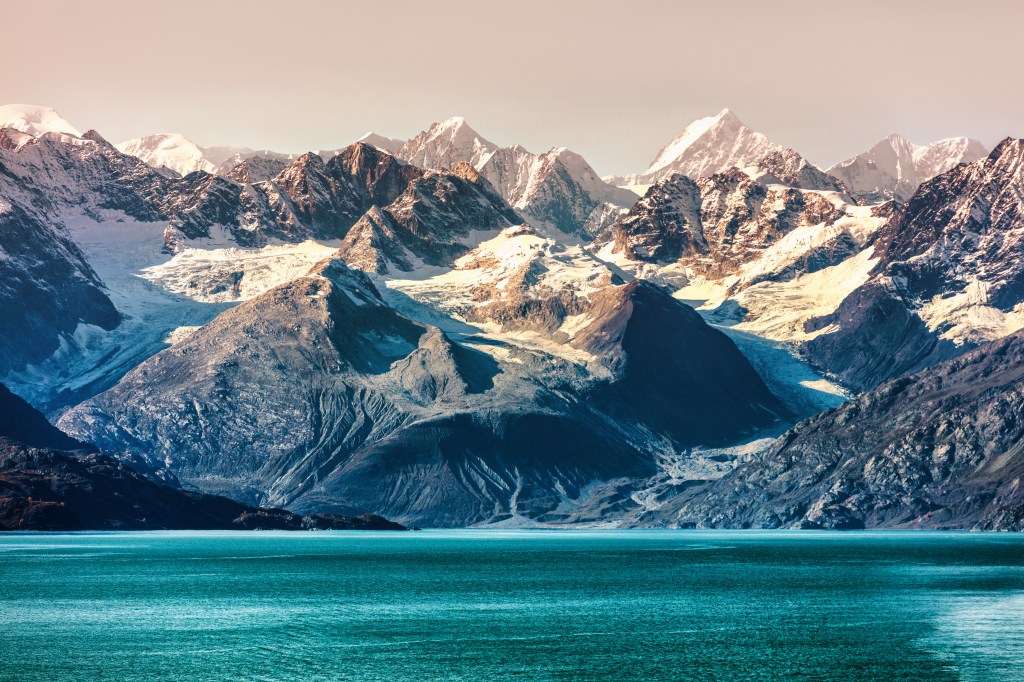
<point>453,122</point>
<point>35,120</point>
<point>388,144</point>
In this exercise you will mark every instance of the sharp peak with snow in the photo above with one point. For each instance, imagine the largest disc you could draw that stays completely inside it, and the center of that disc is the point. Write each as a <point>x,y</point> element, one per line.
<point>709,145</point>
<point>456,126</point>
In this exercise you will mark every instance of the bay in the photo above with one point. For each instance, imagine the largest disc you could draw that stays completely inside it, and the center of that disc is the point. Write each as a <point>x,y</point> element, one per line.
<point>529,605</point>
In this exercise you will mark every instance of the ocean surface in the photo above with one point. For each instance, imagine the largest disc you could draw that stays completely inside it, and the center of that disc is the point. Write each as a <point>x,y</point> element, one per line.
<point>524,605</point>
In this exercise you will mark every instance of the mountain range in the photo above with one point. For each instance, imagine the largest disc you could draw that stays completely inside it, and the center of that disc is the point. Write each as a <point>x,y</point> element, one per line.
<point>447,332</point>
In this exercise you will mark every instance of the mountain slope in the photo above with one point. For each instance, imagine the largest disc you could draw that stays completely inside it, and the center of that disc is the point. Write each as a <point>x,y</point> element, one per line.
<point>326,398</point>
<point>22,423</point>
<point>557,189</point>
<point>48,289</point>
<point>940,449</point>
<point>948,276</point>
<point>45,487</point>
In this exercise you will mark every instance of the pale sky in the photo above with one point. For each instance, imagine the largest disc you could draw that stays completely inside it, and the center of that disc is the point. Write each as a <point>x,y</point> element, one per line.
<point>614,81</point>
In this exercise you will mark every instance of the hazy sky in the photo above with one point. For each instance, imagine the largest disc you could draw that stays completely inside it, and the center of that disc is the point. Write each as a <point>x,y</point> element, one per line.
<point>612,80</point>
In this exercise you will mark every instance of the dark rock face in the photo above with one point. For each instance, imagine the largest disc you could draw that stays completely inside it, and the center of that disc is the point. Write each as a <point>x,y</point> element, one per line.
<point>960,232</point>
<point>877,337</point>
<point>786,167</point>
<point>21,422</point>
<point>308,199</point>
<point>46,289</point>
<point>674,373</point>
<point>664,224</point>
<point>943,448</point>
<point>715,224</point>
<point>399,211</point>
<point>43,489</point>
<point>438,212</point>
<point>318,396</point>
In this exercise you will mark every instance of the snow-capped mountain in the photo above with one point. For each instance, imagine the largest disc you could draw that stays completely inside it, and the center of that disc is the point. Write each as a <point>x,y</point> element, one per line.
<point>556,190</point>
<point>175,152</point>
<point>948,275</point>
<point>49,293</point>
<point>721,227</point>
<point>172,151</point>
<point>707,146</point>
<point>894,168</point>
<point>447,143</point>
<point>502,337</point>
<point>35,120</point>
<point>364,407</point>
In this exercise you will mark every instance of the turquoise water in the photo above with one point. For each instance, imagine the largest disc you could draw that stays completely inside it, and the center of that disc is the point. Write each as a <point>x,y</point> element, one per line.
<point>658,605</point>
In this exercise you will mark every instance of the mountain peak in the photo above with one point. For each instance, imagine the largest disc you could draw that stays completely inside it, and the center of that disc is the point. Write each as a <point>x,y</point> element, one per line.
<point>710,145</point>
<point>727,114</point>
<point>453,122</point>
<point>446,143</point>
<point>1010,147</point>
<point>35,120</point>
<point>173,151</point>
<point>388,144</point>
<point>895,167</point>
<point>456,128</point>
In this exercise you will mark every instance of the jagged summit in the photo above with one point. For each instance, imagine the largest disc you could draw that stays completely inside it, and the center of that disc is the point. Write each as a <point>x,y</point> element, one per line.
<point>35,120</point>
<point>895,167</point>
<point>446,143</point>
<point>176,153</point>
<point>948,276</point>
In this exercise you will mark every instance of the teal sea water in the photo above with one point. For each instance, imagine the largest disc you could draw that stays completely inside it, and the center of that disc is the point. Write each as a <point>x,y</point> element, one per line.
<point>487,605</point>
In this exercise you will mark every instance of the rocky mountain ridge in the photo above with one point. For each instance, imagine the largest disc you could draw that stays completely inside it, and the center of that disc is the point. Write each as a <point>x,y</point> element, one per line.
<point>946,277</point>
<point>329,399</point>
<point>51,482</point>
<point>478,333</point>
<point>937,449</point>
